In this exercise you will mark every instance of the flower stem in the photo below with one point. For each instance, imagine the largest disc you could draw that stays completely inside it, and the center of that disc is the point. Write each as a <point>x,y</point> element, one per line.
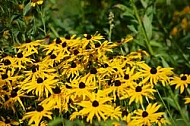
<point>178,106</point>
<point>142,28</point>
<point>166,107</point>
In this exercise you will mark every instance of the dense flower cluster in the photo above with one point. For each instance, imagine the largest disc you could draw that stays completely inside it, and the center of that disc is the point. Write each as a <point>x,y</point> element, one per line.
<point>82,77</point>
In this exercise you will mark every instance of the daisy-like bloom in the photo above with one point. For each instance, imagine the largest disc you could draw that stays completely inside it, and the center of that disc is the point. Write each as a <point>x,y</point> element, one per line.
<point>181,82</point>
<point>37,115</point>
<point>80,89</point>
<point>97,105</point>
<point>51,59</point>
<point>40,86</point>
<point>136,93</point>
<point>9,62</point>
<point>126,116</point>
<point>115,114</point>
<point>29,46</point>
<point>8,122</point>
<point>36,2</point>
<point>90,39</point>
<point>59,98</point>
<point>118,89</point>
<point>8,80</point>
<point>71,69</point>
<point>161,120</point>
<point>38,70</point>
<point>126,40</point>
<point>92,77</point>
<point>22,58</point>
<point>153,75</point>
<point>148,116</point>
<point>15,95</point>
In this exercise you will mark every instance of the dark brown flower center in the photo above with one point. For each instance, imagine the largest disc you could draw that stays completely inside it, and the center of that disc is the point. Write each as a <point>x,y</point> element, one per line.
<point>58,41</point>
<point>126,76</point>
<point>73,65</point>
<point>95,103</point>
<point>7,62</point>
<point>76,52</point>
<point>82,85</point>
<point>35,68</point>
<point>97,45</point>
<point>39,80</point>
<point>53,56</point>
<point>124,113</point>
<point>183,78</point>
<point>39,108</point>
<point>67,37</point>
<point>153,70</point>
<point>19,55</point>
<point>56,90</point>
<point>28,40</point>
<point>13,93</point>
<point>4,76</point>
<point>88,37</point>
<point>64,44</point>
<point>93,70</point>
<point>117,83</point>
<point>138,89</point>
<point>144,114</point>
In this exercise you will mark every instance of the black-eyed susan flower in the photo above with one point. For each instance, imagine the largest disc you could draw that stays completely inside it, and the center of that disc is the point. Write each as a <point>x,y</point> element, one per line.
<point>8,122</point>
<point>81,89</point>
<point>37,115</point>
<point>136,93</point>
<point>153,75</point>
<point>90,39</point>
<point>181,82</point>
<point>14,97</point>
<point>148,116</point>
<point>22,58</point>
<point>59,99</point>
<point>40,86</point>
<point>161,120</point>
<point>97,106</point>
<point>29,47</point>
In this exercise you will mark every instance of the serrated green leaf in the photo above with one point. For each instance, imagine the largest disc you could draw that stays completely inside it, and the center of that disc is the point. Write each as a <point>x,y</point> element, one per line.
<point>26,8</point>
<point>148,26</point>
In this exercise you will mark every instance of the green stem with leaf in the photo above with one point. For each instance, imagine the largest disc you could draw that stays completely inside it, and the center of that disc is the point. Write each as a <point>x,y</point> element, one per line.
<point>142,28</point>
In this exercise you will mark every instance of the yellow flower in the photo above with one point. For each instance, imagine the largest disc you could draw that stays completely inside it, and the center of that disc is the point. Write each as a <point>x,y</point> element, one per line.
<point>187,100</point>
<point>154,74</point>
<point>148,116</point>
<point>37,115</point>
<point>40,86</point>
<point>97,106</point>
<point>8,122</point>
<point>36,2</point>
<point>137,92</point>
<point>183,81</point>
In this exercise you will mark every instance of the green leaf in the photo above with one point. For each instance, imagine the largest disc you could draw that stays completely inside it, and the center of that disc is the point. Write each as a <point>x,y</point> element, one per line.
<point>26,8</point>
<point>164,63</point>
<point>144,3</point>
<point>55,122</point>
<point>148,26</point>
<point>170,101</point>
<point>132,28</point>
